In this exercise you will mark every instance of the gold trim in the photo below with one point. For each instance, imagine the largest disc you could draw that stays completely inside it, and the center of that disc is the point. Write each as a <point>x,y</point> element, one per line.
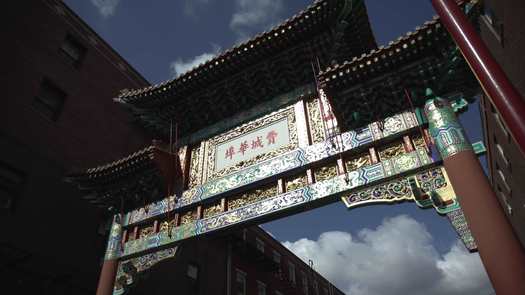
<point>326,172</point>
<point>195,169</point>
<point>211,144</point>
<point>297,181</point>
<point>315,122</point>
<point>357,162</point>
<point>392,150</point>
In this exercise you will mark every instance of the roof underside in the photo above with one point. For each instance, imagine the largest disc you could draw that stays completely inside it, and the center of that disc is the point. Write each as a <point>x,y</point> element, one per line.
<point>124,184</point>
<point>373,86</point>
<point>274,62</point>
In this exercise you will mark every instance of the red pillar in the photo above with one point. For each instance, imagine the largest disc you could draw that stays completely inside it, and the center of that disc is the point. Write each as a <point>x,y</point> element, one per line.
<point>106,281</point>
<point>499,248</point>
<point>491,77</point>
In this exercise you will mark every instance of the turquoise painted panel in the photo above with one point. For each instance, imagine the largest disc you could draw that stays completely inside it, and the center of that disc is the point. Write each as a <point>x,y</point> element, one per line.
<point>113,249</point>
<point>444,127</point>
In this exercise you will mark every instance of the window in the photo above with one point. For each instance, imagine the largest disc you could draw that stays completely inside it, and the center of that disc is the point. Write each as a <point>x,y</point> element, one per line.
<point>325,291</point>
<point>50,100</point>
<point>495,24</point>
<point>260,244</point>
<point>276,257</point>
<point>304,282</point>
<point>244,234</point>
<point>316,288</point>
<point>291,273</point>
<point>193,271</point>
<point>241,282</point>
<point>73,50</point>
<point>278,293</point>
<point>11,185</point>
<point>261,288</point>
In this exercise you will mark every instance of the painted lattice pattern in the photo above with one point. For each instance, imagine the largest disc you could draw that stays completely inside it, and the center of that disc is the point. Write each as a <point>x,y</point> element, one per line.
<point>458,221</point>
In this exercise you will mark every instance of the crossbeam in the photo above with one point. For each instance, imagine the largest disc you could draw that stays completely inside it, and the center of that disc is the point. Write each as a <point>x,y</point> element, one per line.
<point>362,138</point>
<point>310,196</point>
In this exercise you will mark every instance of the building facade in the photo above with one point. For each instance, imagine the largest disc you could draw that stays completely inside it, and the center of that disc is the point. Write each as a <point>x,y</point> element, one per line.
<point>503,32</point>
<point>57,113</point>
<point>242,262</point>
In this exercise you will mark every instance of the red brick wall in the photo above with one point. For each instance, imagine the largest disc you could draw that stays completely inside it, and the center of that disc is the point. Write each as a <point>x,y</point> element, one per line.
<point>50,222</point>
<point>255,272</point>
<point>91,128</point>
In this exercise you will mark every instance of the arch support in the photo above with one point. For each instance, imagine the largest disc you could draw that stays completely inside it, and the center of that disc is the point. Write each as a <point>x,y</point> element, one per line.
<point>499,248</point>
<point>110,265</point>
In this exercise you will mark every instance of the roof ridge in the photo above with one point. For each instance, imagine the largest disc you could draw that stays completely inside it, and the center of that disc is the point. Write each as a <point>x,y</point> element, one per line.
<point>382,48</point>
<point>222,57</point>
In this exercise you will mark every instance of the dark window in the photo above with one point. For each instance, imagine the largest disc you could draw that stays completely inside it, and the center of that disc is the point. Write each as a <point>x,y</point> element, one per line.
<point>49,100</point>
<point>291,273</point>
<point>304,282</point>
<point>260,244</point>
<point>241,283</point>
<point>493,20</point>
<point>276,257</point>
<point>11,185</point>
<point>73,50</point>
<point>261,288</point>
<point>193,271</point>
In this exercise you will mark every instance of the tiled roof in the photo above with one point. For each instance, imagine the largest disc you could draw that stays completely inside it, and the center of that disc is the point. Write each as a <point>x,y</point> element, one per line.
<point>304,22</point>
<point>272,63</point>
<point>422,37</point>
<point>116,169</point>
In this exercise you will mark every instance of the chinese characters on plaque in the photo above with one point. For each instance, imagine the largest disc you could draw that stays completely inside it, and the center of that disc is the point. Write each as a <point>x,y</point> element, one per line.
<point>252,144</point>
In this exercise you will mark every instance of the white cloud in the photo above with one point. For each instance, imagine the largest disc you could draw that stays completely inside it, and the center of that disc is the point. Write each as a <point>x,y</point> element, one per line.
<point>395,258</point>
<point>181,66</point>
<point>106,7</point>
<point>254,16</point>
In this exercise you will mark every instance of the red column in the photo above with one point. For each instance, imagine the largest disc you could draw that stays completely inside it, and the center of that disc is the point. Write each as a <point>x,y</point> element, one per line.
<point>499,248</point>
<point>106,281</point>
<point>491,77</point>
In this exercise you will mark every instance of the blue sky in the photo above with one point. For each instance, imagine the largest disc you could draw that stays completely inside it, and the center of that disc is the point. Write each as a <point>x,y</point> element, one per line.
<point>164,38</point>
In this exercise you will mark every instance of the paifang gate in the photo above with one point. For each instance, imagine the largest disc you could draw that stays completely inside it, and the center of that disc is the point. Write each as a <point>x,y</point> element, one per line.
<point>306,114</point>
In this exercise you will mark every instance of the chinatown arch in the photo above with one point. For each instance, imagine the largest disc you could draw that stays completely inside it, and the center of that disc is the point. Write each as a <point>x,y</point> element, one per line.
<point>309,113</point>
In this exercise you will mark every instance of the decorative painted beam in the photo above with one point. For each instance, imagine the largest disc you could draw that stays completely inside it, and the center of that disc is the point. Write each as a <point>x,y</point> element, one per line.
<point>129,271</point>
<point>347,141</point>
<point>434,180</point>
<point>310,195</point>
<point>400,189</point>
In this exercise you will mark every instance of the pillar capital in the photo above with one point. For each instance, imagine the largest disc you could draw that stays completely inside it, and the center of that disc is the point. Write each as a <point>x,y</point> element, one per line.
<point>113,248</point>
<point>448,135</point>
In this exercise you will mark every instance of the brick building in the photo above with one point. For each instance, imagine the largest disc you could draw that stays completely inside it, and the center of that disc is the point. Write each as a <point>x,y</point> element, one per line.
<point>503,32</point>
<point>57,113</point>
<point>241,262</point>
